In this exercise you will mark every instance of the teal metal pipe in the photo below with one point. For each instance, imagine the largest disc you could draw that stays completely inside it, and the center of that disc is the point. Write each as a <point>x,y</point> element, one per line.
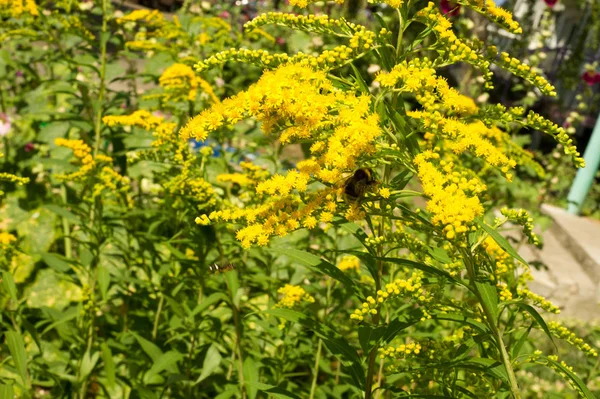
<point>585,176</point>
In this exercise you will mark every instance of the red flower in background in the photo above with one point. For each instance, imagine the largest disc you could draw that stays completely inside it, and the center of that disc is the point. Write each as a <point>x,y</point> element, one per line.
<point>29,147</point>
<point>449,8</point>
<point>591,77</point>
<point>551,3</point>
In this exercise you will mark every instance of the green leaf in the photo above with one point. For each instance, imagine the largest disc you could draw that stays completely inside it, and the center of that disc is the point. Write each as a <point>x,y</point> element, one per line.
<point>164,362</point>
<point>516,349</point>
<point>208,301</point>
<point>148,347</point>
<point>364,87</point>
<point>56,261</point>
<point>16,347</point>
<point>32,331</point>
<point>492,367</point>
<point>538,318</point>
<point>109,365</point>
<point>317,264</point>
<point>489,297</point>
<point>6,391</point>
<point>501,241</point>
<point>87,364</point>
<point>103,280</point>
<point>274,391</point>
<point>211,362</point>
<point>251,373</point>
<point>8,283</point>
<point>459,318</point>
<point>573,377</point>
<point>62,212</point>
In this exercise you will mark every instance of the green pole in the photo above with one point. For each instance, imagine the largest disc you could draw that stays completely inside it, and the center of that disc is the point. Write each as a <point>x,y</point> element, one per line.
<point>585,176</point>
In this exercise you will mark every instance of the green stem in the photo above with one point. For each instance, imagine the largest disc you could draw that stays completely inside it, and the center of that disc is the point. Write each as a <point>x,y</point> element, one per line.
<point>99,105</point>
<point>157,316</point>
<point>491,322</point>
<point>66,227</point>
<point>313,387</point>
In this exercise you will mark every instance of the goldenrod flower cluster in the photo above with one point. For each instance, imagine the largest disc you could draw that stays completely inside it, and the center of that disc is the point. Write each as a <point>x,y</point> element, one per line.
<point>497,14</point>
<point>349,262</point>
<point>163,131</point>
<point>399,287</point>
<point>306,23</point>
<point>6,239</point>
<point>149,17</point>
<point>299,104</point>
<point>180,82</point>
<point>73,24</point>
<point>456,49</point>
<point>401,352</point>
<point>503,292</point>
<point>13,179</point>
<point>563,332</point>
<point>524,71</point>
<point>538,300</point>
<point>16,8</point>
<point>540,123</point>
<point>305,3</point>
<point>302,104</point>
<point>277,216</point>
<point>252,176</point>
<point>454,201</point>
<point>107,178</point>
<point>114,182</point>
<point>83,153</point>
<point>503,261</point>
<point>419,77</point>
<point>292,296</point>
<point>141,118</point>
<point>521,217</point>
<point>361,41</point>
<point>187,184</point>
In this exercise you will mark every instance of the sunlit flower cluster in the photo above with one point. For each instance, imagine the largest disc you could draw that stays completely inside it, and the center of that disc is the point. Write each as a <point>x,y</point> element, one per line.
<point>413,287</point>
<point>83,153</point>
<point>6,239</point>
<point>298,103</point>
<point>349,263</point>
<point>16,8</point>
<point>540,123</point>
<point>526,72</point>
<point>292,296</point>
<point>497,14</point>
<point>149,17</point>
<point>164,132</point>
<point>538,300</point>
<point>502,260</point>
<point>563,332</point>
<point>180,82</point>
<point>521,217</point>
<point>456,49</point>
<point>454,201</point>
<point>360,41</point>
<point>400,352</point>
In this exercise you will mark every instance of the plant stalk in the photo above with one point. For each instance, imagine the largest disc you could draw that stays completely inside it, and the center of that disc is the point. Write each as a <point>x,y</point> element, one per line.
<point>313,387</point>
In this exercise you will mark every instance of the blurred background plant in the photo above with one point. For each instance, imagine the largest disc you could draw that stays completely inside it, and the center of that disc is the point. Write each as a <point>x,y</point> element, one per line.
<point>108,289</point>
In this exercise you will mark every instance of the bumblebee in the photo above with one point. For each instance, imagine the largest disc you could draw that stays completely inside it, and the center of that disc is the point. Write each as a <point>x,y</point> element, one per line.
<point>357,185</point>
<point>216,269</point>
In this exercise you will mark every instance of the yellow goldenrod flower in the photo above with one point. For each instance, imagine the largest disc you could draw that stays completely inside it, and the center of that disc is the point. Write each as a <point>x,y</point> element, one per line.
<point>349,262</point>
<point>292,296</point>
